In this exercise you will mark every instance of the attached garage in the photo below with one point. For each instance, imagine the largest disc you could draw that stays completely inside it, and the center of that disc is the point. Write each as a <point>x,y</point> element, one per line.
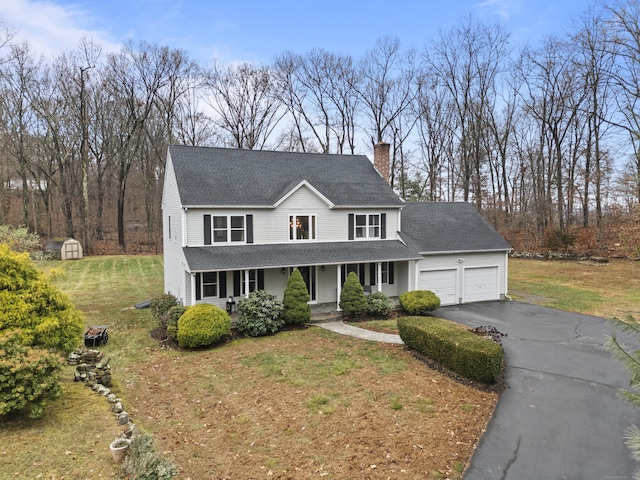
<point>480,284</point>
<point>441,282</point>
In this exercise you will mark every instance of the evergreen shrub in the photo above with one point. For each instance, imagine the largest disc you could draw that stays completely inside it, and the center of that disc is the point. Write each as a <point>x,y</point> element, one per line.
<point>379,304</point>
<point>202,325</point>
<point>454,347</point>
<point>30,303</point>
<point>29,377</point>
<point>161,305</point>
<point>352,297</point>
<point>295,300</point>
<point>419,302</point>
<point>170,320</point>
<point>259,314</point>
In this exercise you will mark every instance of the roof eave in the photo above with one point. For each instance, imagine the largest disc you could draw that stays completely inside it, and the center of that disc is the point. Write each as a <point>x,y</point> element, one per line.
<point>449,252</point>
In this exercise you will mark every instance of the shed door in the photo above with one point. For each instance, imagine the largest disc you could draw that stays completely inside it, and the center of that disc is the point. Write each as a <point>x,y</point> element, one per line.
<point>72,250</point>
<point>442,283</point>
<point>480,284</point>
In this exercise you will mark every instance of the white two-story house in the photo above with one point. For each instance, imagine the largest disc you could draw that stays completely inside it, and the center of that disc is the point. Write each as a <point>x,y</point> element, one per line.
<point>236,221</point>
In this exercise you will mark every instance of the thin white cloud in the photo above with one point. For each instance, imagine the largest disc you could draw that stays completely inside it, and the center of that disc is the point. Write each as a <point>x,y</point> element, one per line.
<point>48,28</point>
<point>505,9</point>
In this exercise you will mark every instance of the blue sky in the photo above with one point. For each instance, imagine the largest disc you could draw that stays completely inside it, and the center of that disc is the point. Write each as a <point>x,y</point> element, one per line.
<point>258,30</point>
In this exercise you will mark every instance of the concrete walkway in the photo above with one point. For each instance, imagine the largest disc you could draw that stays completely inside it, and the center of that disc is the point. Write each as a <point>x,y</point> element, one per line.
<point>342,328</point>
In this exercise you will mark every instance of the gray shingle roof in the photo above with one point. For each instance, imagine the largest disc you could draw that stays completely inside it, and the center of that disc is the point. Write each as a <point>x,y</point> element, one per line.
<point>230,177</point>
<point>296,254</point>
<point>448,227</point>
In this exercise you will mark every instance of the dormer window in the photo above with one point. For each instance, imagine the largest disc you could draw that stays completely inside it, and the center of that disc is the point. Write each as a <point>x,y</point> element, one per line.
<point>302,227</point>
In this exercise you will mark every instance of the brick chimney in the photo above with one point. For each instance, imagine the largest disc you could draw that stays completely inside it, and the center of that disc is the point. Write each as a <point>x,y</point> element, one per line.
<point>381,159</point>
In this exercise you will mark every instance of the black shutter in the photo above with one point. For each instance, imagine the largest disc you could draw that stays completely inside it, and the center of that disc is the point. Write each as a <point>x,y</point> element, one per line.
<point>361,273</point>
<point>198,286</point>
<point>352,224</point>
<point>261,279</point>
<point>373,274</point>
<point>249,227</point>
<point>383,225</point>
<point>237,291</point>
<point>207,229</point>
<point>391,264</point>
<point>343,274</point>
<point>222,282</point>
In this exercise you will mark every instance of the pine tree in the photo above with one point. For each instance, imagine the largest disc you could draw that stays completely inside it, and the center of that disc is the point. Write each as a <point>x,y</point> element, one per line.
<point>352,297</point>
<point>631,362</point>
<point>296,300</point>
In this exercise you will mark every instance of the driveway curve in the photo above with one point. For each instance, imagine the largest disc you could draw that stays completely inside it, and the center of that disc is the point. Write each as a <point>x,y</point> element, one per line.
<point>559,417</point>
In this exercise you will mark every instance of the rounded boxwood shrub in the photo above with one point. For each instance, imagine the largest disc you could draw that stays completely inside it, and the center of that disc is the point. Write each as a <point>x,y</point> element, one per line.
<point>259,314</point>
<point>295,300</point>
<point>352,297</point>
<point>379,304</point>
<point>170,320</point>
<point>419,302</point>
<point>202,325</point>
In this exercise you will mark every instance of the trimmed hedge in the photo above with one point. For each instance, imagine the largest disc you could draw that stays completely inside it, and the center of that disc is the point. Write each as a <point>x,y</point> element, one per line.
<point>203,325</point>
<point>419,302</point>
<point>453,347</point>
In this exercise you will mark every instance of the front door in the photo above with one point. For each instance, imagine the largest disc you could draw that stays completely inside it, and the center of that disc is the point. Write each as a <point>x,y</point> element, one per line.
<point>309,277</point>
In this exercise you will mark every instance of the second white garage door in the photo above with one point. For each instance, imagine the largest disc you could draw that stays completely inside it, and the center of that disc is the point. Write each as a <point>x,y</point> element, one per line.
<point>480,284</point>
<point>442,283</point>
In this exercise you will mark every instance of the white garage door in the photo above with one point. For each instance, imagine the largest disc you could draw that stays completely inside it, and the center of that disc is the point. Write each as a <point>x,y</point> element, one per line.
<point>480,284</point>
<point>442,283</point>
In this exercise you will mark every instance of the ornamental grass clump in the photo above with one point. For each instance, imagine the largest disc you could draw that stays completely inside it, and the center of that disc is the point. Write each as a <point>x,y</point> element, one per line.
<point>146,462</point>
<point>259,314</point>
<point>203,325</point>
<point>296,300</point>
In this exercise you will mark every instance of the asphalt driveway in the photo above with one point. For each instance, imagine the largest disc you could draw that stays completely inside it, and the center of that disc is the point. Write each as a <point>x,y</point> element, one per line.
<point>559,417</point>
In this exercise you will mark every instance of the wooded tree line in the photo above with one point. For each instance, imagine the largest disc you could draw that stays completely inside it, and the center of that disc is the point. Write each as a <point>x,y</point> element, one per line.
<point>540,137</point>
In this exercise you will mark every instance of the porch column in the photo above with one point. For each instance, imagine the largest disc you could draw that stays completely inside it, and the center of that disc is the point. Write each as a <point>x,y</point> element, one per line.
<point>339,289</point>
<point>192,300</point>
<point>246,283</point>
<point>379,276</point>
<point>416,274</point>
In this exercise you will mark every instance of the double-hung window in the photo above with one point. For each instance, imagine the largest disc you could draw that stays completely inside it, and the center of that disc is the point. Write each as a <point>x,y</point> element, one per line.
<point>209,284</point>
<point>225,229</point>
<point>366,226</point>
<point>302,227</point>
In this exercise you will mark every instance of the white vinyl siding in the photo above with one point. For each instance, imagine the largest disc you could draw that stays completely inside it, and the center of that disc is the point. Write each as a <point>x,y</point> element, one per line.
<point>272,225</point>
<point>173,257</point>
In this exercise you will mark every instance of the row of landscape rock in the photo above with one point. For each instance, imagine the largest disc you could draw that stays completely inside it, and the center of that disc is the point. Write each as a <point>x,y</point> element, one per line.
<point>94,370</point>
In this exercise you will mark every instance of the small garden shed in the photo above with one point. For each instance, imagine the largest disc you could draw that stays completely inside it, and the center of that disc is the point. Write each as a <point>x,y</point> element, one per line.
<point>64,248</point>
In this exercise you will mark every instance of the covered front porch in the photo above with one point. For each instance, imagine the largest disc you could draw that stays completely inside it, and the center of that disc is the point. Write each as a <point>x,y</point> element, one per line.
<point>221,275</point>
